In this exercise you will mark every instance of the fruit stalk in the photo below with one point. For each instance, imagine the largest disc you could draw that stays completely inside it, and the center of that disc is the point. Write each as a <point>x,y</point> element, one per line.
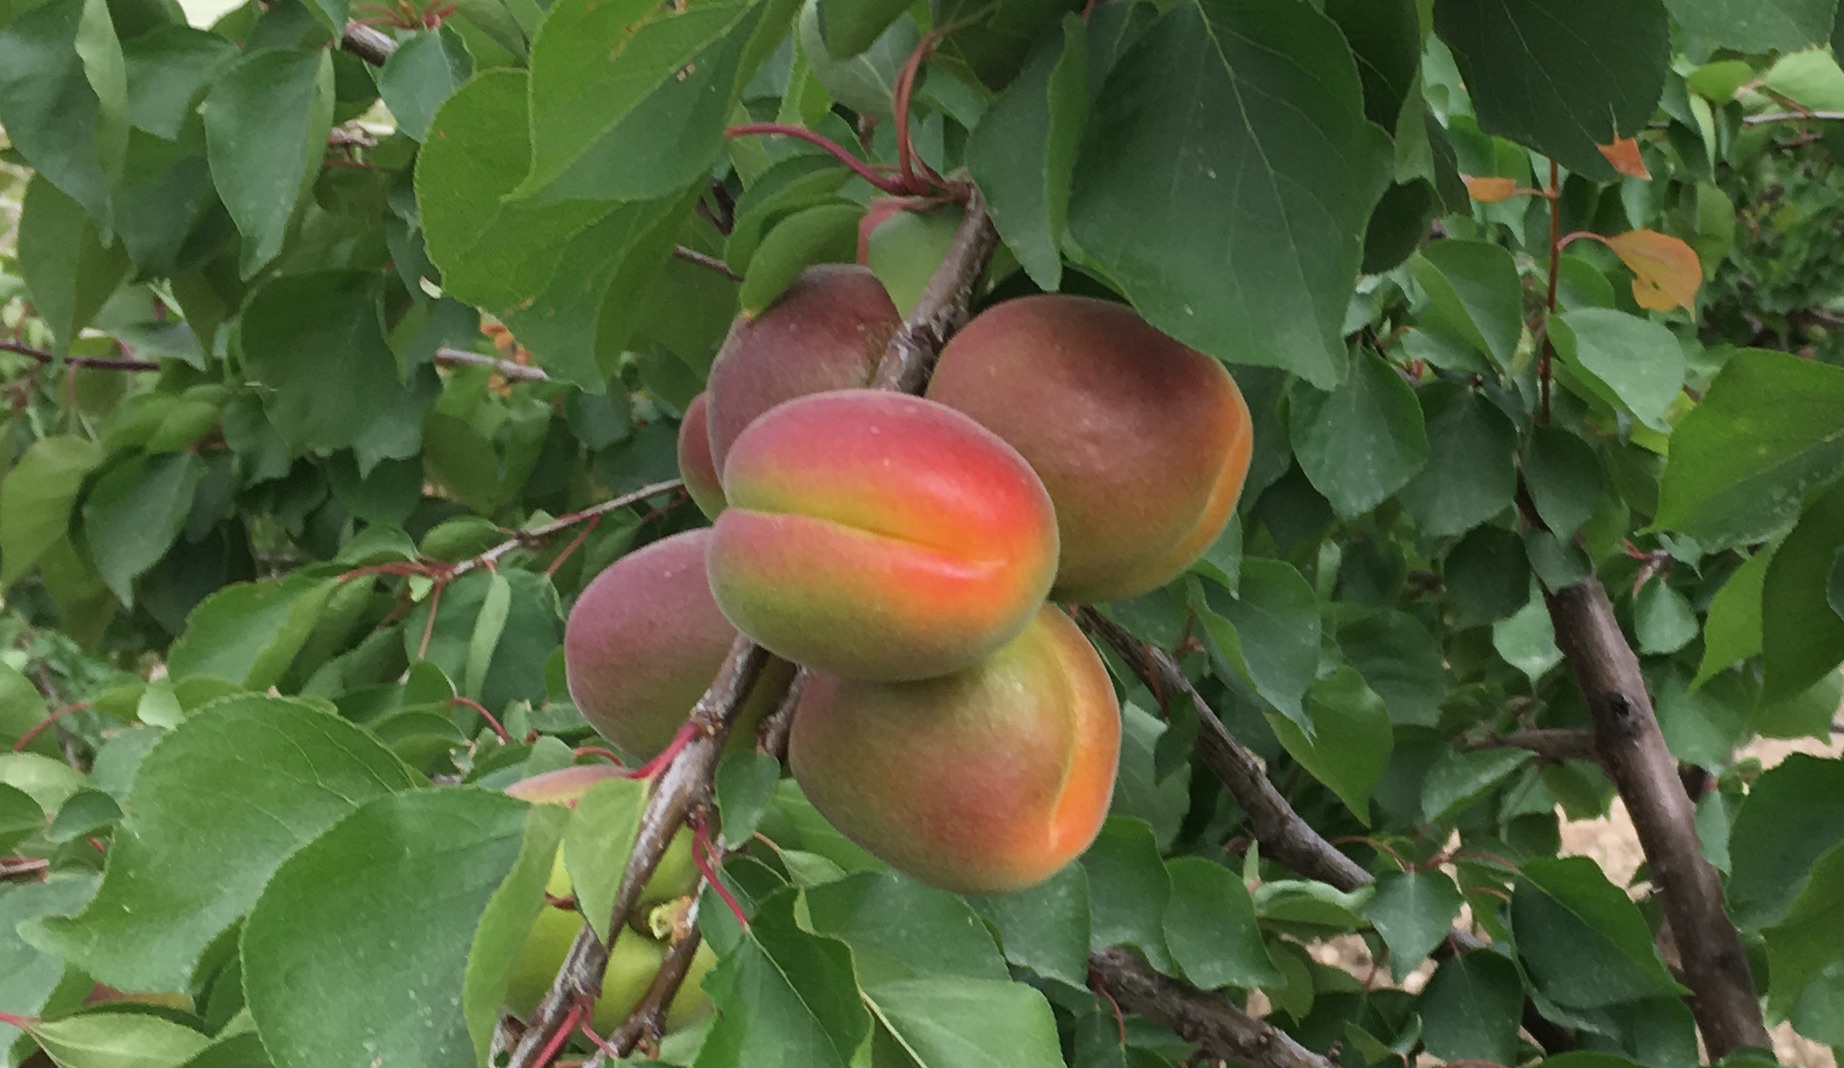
<point>686,783</point>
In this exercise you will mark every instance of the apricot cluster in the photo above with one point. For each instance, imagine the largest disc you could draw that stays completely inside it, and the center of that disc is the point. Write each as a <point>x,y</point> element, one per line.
<point>902,549</point>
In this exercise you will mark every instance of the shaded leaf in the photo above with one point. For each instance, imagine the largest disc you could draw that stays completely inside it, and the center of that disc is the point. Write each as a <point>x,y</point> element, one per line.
<point>1210,925</point>
<point>266,123</point>
<point>1361,442</point>
<point>1350,742</point>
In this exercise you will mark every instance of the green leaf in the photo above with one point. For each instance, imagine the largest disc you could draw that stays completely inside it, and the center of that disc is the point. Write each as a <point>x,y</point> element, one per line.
<point>135,511</point>
<point>118,1040</point>
<point>249,632</point>
<point>48,782</point>
<point>488,626</point>
<point>1527,640</point>
<point>1756,25</point>
<point>1457,779</point>
<point>1268,633</point>
<point>1663,620</point>
<point>66,265</point>
<point>425,70</point>
<point>745,785</point>
<point>492,250</point>
<point>32,982</point>
<point>1704,726</point>
<point>866,82</point>
<point>783,997</point>
<point>1351,739</point>
<point>1361,442</point>
<point>22,708</point>
<point>1471,1008</point>
<point>169,70</point>
<point>534,627</point>
<point>20,817</point>
<point>1770,429</point>
<point>899,929</point>
<point>1488,576</point>
<point>968,1023</point>
<point>36,500</point>
<point>315,344</point>
<point>1256,110</point>
<point>1565,480</point>
<point>821,234</point>
<point>266,123</point>
<point>1474,298</point>
<point>1819,1013</point>
<point>1023,153</point>
<point>597,110</point>
<point>1806,715</point>
<point>1732,623</point>
<point>1583,942</point>
<point>370,923</point>
<point>850,26</point>
<point>1128,890</point>
<point>1413,911</point>
<point>205,830</point>
<point>1139,788</point>
<point>1471,472</point>
<point>1045,928</point>
<point>1801,637</point>
<point>1632,363</point>
<point>604,823</point>
<point>1210,926</point>
<point>506,925</point>
<point>1810,79</point>
<point>1793,815</point>
<point>1508,51</point>
<point>1402,662</point>
<point>1810,936</point>
<point>63,91</point>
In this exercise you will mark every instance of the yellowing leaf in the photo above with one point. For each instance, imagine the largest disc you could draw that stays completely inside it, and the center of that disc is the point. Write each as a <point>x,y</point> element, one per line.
<point>1624,155</point>
<point>1489,190</point>
<point>1666,271</point>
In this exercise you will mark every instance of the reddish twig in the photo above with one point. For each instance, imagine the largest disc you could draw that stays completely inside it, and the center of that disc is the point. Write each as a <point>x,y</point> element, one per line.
<point>883,183</point>
<point>38,728</point>
<point>14,867</point>
<point>103,363</point>
<point>492,720</point>
<point>709,263</point>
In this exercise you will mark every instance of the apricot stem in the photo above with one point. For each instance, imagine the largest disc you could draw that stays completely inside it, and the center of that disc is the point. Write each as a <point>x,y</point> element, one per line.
<point>468,702</point>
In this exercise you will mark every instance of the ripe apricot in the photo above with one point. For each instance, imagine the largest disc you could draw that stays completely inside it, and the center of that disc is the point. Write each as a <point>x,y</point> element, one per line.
<point>644,641</point>
<point>878,535</point>
<point>695,464</point>
<point>1142,442</point>
<point>827,331</point>
<point>985,781</point>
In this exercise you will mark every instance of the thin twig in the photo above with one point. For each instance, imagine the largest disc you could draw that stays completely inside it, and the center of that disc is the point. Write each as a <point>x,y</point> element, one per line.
<point>527,538</point>
<point>103,363</point>
<point>647,1023</point>
<point>1792,116</point>
<point>1223,1031</point>
<point>709,263</point>
<point>1552,745</point>
<point>944,306</point>
<point>14,867</point>
<point>507,369</point>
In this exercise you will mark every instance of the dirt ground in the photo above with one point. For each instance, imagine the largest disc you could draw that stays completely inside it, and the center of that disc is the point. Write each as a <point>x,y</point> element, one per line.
<point>1612,843</point>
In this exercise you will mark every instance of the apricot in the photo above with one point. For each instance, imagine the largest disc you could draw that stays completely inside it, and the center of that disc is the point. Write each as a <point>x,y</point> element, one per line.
<point>696,467</point>
<point>634,958</point>
<point>882,536</point>
<point>985,781</point>
<point>826,331</point>
<point>1142,441</point>
<point>644,641</point>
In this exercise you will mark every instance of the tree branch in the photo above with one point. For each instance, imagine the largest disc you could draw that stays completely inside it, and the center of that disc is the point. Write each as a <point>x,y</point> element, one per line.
<point>647,1023</point>
<point>685,785</point>
<point>371,45</point>
<point>1631,748</point>
<point>944,305</point>
<point>1283,834</point>
<point>528,538</point>
<point>105,363</point>
<point>1220,1029</point>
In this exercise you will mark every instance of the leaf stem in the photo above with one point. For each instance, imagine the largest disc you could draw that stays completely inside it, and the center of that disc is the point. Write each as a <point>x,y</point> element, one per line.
<point>883,183</point>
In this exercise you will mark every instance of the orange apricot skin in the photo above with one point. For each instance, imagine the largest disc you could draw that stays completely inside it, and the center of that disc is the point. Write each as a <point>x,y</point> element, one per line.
<point>982,782</point>
<point>696,467</point>
<point>643,643</point>
<point>827,331</point>
<point>1143,442</point>
<point>881,536</point>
